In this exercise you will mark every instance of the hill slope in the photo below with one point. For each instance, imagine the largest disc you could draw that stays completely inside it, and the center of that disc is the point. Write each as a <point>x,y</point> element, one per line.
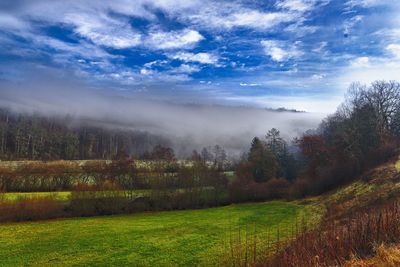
<point>359,218</point>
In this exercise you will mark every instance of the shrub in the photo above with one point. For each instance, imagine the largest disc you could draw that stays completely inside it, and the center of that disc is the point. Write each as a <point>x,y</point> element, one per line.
<point>29,209</point>
<point>242,190</point>
<point>105,199</point>
<point>277,188</point>
<point>300,188</point>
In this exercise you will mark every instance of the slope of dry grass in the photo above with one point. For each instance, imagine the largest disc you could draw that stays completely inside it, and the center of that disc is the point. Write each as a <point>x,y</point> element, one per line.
<point>358,218</point>
<point>385,256</point>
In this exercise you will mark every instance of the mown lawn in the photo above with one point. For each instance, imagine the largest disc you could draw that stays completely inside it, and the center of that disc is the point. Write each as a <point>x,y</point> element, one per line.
<point>184,238</point>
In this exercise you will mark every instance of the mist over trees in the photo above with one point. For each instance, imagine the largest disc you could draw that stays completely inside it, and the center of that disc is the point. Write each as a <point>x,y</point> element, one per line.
<point>186,124</point>
<point>35,137</point>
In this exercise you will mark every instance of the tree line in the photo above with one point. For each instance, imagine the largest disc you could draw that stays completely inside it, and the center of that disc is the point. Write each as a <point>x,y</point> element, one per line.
<point>112,187</point>
<point>35,137</point>
<point>363,132</point>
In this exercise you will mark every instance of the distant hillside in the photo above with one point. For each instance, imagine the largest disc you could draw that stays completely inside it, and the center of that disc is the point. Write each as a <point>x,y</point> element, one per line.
<point>282,109</point>
<point>25,136</point>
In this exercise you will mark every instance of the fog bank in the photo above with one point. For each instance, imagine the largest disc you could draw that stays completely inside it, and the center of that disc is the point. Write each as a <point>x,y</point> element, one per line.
<point>187,126</point>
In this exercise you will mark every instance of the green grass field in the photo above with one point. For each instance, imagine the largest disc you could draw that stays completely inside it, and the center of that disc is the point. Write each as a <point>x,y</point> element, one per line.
<point>184,238</point>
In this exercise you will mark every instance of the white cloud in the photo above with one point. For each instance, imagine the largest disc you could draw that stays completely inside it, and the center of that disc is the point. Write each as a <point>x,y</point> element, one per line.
<point>172,75</point>
<point>392,34</point>
<point>156,63</point>
<point>368,3</point>
<point>297,5</point>
<point>11,23</point>
<point>227,15</point>
<point>249,84</point>
<point>276,53</point>
<point>318,77</point>
<point>300,30</point>
<point>204,58</point>
<point>103,30</point>
<point>186,68</point>
<point>321,47</point>
<point>146,71</point>
<point>280,51</point>
<point>394,49</point>
<point>83,50</point>
<point>377,69</point>
<point>351,23</point>
<point>176,39</point>
<point>255,19</point>
<point>360,62</point>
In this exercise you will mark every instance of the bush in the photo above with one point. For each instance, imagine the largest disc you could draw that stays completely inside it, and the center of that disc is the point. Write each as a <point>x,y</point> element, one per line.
<point>277,188</point>
<point>242,190</point>
<point>105,199</point>
<point>300,188</point>
<point>29,209</point>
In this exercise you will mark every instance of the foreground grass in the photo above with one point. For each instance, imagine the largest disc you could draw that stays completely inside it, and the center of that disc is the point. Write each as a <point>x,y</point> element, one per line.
<point>184,238</point>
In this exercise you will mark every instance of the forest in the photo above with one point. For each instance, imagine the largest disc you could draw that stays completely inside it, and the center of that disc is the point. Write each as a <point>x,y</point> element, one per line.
<point>35,137</point>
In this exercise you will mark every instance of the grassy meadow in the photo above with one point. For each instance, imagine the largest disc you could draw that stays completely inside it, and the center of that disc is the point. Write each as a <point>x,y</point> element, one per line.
<point>184,238</point>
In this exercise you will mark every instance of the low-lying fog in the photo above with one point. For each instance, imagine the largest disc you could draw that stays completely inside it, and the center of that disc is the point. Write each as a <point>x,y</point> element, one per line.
<point>188,126</point>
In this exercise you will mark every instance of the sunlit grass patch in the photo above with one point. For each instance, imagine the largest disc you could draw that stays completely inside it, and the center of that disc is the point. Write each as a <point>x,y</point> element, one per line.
<point>18,195</point>
<point>176,238</point>
<point>398,165</point>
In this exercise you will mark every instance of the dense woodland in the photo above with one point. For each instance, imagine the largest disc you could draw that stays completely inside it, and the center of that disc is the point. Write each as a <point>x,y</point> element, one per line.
<point>26,136</point>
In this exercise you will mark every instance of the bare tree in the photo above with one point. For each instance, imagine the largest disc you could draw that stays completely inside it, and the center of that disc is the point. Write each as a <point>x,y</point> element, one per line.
<point>384,97</point>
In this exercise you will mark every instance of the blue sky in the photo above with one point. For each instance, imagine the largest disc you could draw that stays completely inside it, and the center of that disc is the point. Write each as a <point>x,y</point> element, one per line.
<point>294,53</point>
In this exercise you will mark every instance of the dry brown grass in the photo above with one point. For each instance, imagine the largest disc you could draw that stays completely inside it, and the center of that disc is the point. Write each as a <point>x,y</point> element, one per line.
<point>359,217</point>
<point>385,256</point>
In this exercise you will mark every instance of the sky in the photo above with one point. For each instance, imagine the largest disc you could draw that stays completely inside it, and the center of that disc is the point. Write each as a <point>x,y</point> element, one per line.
<point>300,54</point>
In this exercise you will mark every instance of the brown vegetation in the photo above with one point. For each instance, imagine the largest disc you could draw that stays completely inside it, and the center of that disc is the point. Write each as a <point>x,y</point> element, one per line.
<point>385,256</point>
<point>30,209</point>
<point>333,244</point>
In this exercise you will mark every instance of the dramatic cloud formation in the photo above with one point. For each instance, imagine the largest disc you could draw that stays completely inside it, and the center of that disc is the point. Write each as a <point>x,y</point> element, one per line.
<point>299,54</point>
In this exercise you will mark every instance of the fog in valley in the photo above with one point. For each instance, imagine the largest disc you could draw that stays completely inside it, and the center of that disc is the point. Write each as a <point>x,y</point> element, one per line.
<point>185,124</point>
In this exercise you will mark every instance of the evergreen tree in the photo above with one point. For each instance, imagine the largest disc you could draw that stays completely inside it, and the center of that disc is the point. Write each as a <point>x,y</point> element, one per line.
<point>263,162</point>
